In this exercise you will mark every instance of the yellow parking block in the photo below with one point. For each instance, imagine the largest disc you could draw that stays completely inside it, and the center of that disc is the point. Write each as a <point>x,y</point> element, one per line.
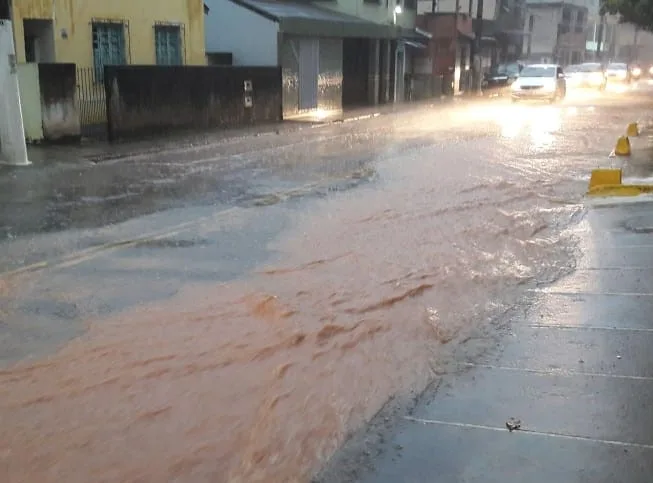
<point>632,130</point>
<point>602,177</point>
<point>608,182</point>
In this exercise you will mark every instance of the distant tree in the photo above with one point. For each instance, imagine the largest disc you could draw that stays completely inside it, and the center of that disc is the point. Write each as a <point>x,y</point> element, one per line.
<point>638,12</point>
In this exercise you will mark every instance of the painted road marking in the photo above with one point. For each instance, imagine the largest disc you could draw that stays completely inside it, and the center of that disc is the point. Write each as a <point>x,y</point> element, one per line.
<point>80,256</point>
<point>530,432</point>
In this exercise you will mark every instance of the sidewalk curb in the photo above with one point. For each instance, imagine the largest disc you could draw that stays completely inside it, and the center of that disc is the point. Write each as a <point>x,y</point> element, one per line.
<point>276,129</point>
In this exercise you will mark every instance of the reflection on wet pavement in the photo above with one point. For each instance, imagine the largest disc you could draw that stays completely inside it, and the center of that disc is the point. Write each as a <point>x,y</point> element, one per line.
<point>277,307</point>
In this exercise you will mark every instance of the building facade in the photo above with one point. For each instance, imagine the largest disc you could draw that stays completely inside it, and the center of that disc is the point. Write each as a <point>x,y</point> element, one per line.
<point>333,55</point>
<point>91,33</point>
<point>447,58</point>
<point>555,32</point>
<point>501,32</point>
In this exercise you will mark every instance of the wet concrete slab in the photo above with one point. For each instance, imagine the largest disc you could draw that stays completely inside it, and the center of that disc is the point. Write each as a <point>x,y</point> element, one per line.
<point>576,369</point>
<point>619,256</point>
<point>420,453</point>
<point>597,407</point>
<point>594,350</point>
<point>612,281</point>
<point>583,310</point>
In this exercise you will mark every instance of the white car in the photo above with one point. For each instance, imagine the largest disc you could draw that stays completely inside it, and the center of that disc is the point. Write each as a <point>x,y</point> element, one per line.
<point>540,82</point>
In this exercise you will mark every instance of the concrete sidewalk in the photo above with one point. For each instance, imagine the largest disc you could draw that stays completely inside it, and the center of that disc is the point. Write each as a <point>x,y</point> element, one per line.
<point>577,371</point>
<point>98,151</point>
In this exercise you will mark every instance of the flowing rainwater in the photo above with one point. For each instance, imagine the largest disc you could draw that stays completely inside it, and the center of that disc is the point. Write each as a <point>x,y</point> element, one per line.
<point>260,380</point>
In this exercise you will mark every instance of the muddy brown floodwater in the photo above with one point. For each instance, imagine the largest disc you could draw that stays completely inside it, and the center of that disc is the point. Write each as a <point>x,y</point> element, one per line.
<point>261,379</point>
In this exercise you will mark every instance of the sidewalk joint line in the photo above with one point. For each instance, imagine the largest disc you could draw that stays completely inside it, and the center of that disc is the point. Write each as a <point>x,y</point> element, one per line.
<point>612,268</point>
<point>590,327</point>
<point>610,294</point>
<point>531,432</point>
<point>559,372</point>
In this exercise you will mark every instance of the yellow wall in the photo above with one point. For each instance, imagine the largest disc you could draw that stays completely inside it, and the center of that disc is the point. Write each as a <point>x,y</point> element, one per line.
<point>75,16</point>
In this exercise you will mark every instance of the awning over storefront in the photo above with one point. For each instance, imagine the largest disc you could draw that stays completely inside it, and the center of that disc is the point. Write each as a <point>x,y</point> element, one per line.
<point>415,38</point>
<point>415,45</point>
<point>306,19</point>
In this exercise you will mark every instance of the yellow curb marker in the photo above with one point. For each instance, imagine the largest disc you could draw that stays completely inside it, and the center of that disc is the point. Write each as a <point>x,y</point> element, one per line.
<point>632,130</point>
<point>622,148</point>
<point>608,182</point>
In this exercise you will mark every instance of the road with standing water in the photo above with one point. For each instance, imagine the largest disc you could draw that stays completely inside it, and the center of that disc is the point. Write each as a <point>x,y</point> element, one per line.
<point>232,312</point>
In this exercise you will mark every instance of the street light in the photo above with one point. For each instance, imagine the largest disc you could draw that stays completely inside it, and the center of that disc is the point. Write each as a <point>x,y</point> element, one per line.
<point>395,12</point>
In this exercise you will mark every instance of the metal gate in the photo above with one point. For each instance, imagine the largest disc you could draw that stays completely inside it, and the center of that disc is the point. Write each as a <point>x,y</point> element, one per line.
<point>309,65</point>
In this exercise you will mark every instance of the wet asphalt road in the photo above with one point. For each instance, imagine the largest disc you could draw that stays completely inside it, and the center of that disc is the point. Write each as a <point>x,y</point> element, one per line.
<point>463,203</point>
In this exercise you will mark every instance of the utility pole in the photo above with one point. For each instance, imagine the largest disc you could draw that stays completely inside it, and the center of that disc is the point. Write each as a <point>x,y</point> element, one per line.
<point>12,134</point>
<point>599,41</point>
<point>476,47</point>
<point>456,61</point>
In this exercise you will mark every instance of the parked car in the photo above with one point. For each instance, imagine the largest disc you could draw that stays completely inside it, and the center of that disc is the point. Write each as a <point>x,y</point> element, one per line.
<point>498,80</point>
<point>540,82</point>
<point>618,73</point>
<point>590,75</point>
<point>648,71</point>
<point>635,72</point>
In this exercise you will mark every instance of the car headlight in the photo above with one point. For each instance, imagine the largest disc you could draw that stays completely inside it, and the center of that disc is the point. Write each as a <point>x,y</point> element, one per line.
<point>596,77</point>
<point>637,71</point>
<point>650,70</point>
<point>622,75</point>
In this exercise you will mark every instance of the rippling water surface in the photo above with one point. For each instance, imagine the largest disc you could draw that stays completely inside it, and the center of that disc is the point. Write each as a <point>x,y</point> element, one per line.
<point>260,379</point>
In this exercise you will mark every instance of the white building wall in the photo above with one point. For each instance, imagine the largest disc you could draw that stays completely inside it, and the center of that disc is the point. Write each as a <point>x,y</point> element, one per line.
<point>251,38</point>
<point>449,6</point>
<point>545,26</point>
<point>618,39</point>
<point>30,101</point>
<point>629,39</point>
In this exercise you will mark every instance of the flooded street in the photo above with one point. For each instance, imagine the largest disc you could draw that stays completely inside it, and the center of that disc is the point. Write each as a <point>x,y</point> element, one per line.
<point>232,313</point>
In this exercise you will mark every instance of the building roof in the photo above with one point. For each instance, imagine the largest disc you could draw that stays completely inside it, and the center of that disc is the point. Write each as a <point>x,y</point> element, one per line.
<point>302,18</point>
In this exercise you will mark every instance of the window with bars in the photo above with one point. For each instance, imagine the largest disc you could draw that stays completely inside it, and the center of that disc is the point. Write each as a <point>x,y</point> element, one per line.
<point>167,39</point>
<point>108,46</point>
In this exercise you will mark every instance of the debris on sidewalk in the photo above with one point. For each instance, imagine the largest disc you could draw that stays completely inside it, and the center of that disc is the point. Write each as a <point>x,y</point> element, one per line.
<point>513,424</point>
